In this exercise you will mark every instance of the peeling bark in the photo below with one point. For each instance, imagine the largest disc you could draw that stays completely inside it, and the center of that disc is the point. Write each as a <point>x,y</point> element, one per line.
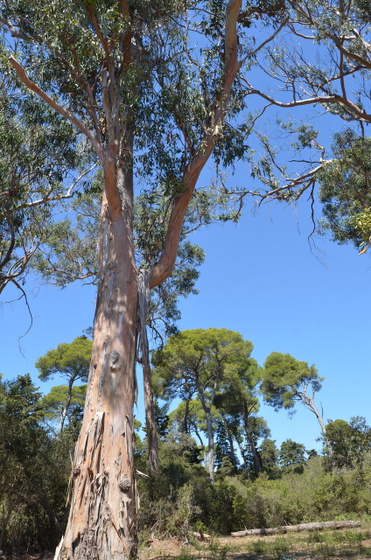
<point>102,524</point>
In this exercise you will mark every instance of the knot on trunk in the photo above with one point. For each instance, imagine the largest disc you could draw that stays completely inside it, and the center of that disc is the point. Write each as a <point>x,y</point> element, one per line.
<point>115,361</point>
<point>124,484</point>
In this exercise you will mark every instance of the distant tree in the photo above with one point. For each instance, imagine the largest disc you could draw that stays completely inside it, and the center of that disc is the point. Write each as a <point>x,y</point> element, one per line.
<point>189,418</point>
<point>70,360</point>
<point>54,405</point>
<point>350,442</point>
<point>202,362</point>
<point>269,457</point>
<point>286,381</point>
<point>292,456</point>
<point>238,405</point>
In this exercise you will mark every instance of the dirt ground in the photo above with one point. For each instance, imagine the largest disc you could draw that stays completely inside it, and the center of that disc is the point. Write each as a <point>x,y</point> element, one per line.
<point>229,548</point>
<point>224,548</point>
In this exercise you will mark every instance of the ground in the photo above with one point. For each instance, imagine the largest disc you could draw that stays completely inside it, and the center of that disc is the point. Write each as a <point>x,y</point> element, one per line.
<point>350,544</point>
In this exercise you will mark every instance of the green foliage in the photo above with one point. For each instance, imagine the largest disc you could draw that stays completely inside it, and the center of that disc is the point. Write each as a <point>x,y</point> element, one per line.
<point>292,456</point>
<point>268,454</point>
<point>197,359</point>
<point>71,360</point>
<point>34,470</point>
<point>54,402</point>
<point>351,442</point>
<point>284,379</point>
<point>345,188</point>
<point>206,363</point>
<point>39,150</point>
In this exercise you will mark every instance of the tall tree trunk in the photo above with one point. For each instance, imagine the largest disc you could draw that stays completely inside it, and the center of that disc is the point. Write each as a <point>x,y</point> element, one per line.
<point>210,438</point>
<point>230,439</point>
<point>151,427</point>
<point>310,404</point>
<point>67,404</point>
<point>102,524</point>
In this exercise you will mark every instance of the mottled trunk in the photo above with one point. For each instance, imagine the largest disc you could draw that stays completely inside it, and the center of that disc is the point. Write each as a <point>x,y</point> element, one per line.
<point>210,440</point>
<point>101,524</point>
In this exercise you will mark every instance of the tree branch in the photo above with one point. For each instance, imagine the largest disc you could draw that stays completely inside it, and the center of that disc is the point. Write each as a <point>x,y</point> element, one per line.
<point>57,107</point>
<point>165,265</point>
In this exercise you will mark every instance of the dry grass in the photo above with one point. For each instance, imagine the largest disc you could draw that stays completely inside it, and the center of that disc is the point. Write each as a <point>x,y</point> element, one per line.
<point>349,544</point>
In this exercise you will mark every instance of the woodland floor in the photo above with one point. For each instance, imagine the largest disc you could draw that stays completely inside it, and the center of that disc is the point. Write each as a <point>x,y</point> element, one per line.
<point>354,544</point>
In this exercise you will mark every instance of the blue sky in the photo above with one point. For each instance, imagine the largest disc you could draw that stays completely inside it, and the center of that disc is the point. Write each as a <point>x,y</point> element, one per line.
<point>260,278</point>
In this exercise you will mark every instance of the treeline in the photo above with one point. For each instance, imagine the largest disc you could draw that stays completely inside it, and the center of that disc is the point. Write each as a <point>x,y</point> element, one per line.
<point>217,470</point>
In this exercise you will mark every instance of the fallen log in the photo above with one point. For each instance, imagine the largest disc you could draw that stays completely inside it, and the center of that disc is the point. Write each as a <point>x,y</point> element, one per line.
<point>301,527</point>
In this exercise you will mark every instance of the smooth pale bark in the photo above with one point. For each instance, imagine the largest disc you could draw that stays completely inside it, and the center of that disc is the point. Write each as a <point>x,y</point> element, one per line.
<point>67,404</point>
<point>210,441</point>
<point>310,404</point>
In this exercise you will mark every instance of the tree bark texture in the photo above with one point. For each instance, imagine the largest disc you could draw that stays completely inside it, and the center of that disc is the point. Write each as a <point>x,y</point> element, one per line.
<point>102,524</point>
<point>301,527</point>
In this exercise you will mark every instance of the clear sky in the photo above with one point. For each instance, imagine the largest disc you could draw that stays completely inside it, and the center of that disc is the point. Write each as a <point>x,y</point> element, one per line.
<point>260,278</point>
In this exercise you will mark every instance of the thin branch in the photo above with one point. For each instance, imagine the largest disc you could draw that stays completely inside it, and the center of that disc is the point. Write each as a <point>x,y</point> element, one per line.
<point>57,107</point>
<point>46,199</point>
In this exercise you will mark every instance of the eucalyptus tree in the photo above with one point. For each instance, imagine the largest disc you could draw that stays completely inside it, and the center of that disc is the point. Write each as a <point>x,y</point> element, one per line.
<point>202,362</point>
<point>286,381</point>
<point>154,107</point>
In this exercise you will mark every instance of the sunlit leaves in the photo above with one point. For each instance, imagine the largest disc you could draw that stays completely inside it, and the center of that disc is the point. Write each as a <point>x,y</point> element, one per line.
<point>284,377</point>
<point>346,188</point>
